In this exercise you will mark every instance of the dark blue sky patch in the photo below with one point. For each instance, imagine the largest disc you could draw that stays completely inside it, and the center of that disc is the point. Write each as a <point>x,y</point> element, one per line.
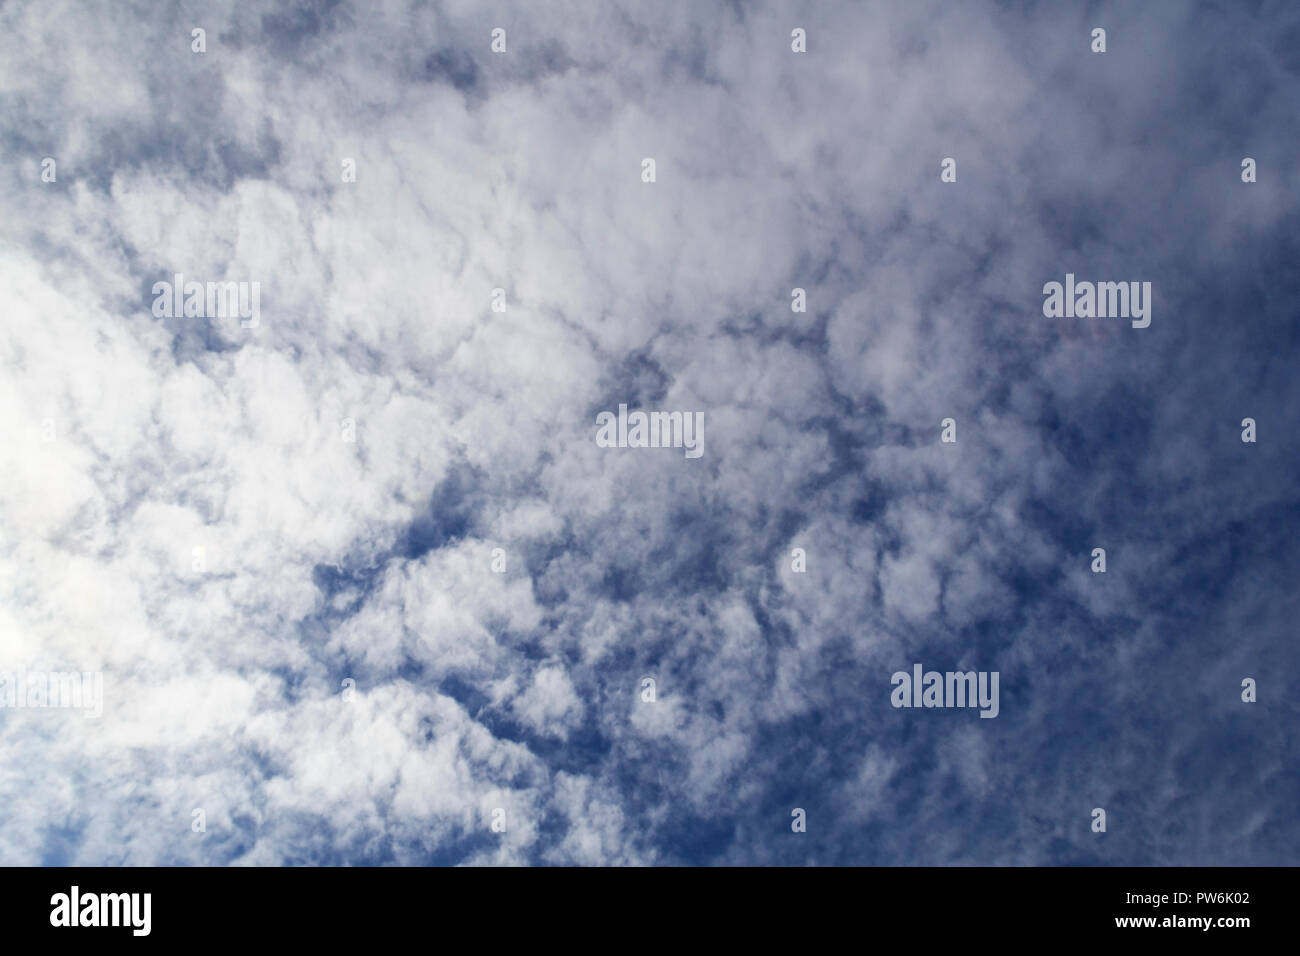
<point>452,514</point>
<point>454,66</point>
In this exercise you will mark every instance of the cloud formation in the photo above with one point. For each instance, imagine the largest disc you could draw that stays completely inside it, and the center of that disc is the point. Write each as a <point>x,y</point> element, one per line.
<point>348,466</point>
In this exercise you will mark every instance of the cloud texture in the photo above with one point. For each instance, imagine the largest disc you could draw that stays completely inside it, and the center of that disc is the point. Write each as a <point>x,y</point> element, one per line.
<point>327,560</point>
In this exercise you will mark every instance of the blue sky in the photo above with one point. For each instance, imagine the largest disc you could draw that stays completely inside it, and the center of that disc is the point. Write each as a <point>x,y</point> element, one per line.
<point>328,560</point>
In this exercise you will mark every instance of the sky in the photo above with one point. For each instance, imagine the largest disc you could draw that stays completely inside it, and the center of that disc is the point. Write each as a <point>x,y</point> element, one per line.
<point>427,600</point>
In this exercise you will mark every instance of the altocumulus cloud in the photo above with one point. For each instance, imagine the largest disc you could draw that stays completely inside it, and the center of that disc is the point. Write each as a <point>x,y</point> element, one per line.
<point>230,523</point>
